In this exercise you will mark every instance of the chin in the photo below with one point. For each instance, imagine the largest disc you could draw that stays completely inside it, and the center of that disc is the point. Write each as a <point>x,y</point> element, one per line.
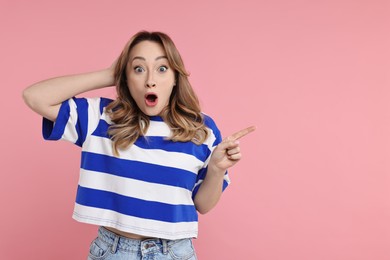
<point>152,112</point>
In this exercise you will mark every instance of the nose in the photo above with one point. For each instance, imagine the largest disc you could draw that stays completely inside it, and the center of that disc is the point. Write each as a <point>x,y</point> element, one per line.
<point>150,83</point>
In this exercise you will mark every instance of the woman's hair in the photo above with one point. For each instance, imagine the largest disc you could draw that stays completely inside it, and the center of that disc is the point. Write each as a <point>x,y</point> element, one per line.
<point>182,114</point>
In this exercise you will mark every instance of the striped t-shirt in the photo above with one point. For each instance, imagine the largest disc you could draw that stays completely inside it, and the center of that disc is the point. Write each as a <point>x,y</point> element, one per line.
<point>147,190</point>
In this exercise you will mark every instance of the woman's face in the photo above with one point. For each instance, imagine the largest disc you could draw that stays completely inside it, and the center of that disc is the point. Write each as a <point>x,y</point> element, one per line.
<point>150,79</point>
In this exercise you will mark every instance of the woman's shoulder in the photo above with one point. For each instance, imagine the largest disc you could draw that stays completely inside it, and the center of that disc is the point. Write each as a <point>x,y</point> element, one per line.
<point>102,100</point>
<point>97,104</point>
<point>209,121</point>
<point>105,101</point>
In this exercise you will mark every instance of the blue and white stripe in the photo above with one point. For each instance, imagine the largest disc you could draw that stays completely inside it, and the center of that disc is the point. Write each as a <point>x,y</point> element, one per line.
<point>149,188</point>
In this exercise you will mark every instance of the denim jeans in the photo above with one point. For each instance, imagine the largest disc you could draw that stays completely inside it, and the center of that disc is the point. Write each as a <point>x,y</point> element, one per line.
<point>110,246</point>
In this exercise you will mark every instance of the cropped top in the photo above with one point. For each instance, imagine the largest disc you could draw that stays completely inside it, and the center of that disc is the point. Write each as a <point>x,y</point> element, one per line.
<point>149,188</point>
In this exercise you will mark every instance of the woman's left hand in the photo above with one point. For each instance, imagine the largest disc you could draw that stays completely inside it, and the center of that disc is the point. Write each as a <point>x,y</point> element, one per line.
<point>228,152</point>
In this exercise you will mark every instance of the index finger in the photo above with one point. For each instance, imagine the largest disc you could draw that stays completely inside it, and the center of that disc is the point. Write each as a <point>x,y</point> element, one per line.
<point>242,133</point>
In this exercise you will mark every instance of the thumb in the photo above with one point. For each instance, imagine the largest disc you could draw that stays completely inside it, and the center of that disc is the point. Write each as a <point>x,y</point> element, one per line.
<point>228,144</point>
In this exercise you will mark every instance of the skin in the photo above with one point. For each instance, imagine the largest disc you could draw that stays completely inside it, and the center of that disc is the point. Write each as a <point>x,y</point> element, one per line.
<point>224,156</point>
<point>147,71</point>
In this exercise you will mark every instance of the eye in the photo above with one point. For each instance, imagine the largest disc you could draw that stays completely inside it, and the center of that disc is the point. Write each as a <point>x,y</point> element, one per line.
<point>162,68</point>
<point>138,69</point>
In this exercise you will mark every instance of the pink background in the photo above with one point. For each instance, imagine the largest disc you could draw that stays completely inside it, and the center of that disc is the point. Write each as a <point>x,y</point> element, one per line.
<point>313,76</point>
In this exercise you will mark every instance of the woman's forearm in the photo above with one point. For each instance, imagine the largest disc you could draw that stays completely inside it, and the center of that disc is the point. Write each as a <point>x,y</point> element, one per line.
<point>210,191</point>
<point>45,97</point>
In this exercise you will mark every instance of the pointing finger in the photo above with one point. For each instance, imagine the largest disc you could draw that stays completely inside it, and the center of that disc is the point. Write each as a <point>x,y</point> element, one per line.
<point>242,133</point>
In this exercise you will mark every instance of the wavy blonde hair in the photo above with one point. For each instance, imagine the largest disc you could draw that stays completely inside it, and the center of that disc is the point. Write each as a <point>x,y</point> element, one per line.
<point>183,114</point>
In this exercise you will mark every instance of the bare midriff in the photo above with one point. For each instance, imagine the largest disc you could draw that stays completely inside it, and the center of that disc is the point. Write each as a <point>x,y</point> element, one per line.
<point>126,234</point>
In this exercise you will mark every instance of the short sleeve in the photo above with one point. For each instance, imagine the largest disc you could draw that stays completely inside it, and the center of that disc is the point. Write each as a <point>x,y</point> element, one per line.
<point>76,119</point>
<point>212,141</point>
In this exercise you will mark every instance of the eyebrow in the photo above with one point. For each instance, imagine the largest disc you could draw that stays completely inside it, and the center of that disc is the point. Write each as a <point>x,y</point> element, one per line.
<point>142,58</point>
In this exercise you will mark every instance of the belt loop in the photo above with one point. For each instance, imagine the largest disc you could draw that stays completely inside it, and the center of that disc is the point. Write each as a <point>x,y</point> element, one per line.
<point>115,245</point>
<point>165,246</point>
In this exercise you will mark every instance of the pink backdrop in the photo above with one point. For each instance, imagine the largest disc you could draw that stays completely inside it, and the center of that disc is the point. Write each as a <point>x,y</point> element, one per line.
<point>312,75</point>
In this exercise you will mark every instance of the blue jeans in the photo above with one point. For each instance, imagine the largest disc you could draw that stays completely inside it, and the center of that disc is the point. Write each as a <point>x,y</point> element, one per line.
<point>110,246</point>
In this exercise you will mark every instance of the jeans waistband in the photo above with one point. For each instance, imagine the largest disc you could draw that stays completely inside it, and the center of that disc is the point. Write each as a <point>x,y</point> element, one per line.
<point>124,243</point>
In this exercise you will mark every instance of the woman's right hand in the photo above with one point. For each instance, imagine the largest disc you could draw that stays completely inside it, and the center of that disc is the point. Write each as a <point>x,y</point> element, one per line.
<point>113,65</point>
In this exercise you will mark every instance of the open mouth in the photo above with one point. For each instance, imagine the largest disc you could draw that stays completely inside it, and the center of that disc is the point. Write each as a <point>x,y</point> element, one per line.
<point>151,99</point>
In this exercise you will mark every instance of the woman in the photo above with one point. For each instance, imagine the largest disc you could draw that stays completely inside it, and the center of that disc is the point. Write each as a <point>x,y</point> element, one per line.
<point>150,159</point>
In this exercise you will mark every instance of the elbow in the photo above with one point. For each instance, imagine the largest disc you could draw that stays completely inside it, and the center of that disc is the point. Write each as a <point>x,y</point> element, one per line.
<point>33,100</point>
<point>202,205</point>
<point>28,98</point>
<point>36,102</point>
<point>203,211</point>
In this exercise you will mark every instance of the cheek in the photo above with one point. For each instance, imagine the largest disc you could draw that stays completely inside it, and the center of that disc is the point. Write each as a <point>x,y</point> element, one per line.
<point>130,88</point>
<point>134,85</point>
<point>169,93</point>
<point>168,83</point>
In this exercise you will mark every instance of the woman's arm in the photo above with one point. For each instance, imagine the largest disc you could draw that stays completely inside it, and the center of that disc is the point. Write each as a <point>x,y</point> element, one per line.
<point>210,191</point>
<point>224,156</point>
<point>45,97</point>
